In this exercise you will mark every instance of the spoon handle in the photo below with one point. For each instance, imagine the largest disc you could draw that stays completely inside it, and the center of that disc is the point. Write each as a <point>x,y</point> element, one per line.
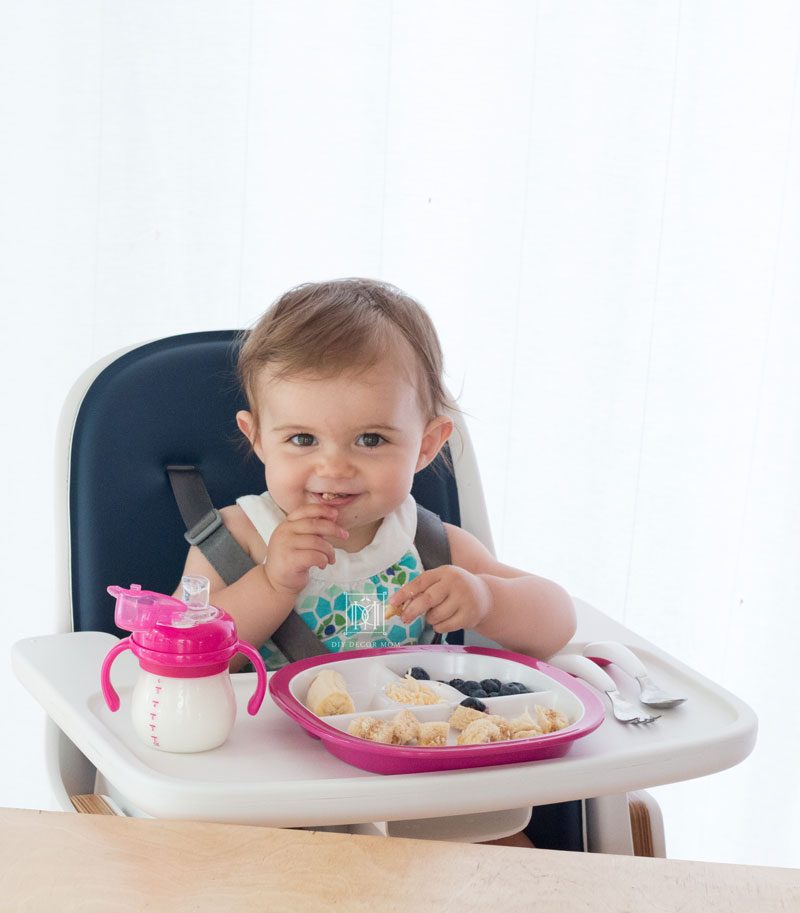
<point>614,652</point>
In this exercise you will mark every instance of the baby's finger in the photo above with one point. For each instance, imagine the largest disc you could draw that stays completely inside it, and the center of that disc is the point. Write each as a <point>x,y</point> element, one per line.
<point>313,510</point>
<point>314,544</point>
<point>432,597</point>
<point>319,526</point>
<point>444,617</point>
<point>411,589</point>
<point>400,601</point>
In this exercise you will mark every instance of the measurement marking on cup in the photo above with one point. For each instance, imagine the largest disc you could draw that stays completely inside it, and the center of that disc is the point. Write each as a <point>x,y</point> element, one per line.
<point>154,716</point>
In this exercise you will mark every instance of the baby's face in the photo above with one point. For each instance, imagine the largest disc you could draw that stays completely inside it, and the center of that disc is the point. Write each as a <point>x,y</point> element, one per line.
<point>353,442</point>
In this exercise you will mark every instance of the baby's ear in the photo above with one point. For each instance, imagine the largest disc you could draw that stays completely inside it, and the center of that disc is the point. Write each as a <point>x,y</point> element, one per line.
<point>436,433</point>
<point>247,425</point>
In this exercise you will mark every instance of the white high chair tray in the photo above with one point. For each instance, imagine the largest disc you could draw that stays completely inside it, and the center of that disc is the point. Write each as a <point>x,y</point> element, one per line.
<point>271,772</point>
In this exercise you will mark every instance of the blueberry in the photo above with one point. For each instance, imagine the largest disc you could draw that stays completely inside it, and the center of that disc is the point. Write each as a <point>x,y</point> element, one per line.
<point>416,672</point>
<point>523,689</point>
<point>478,692</point>
<point>469,686</point>
<point>474,704</point>
<point>506,689</point>
<point>457,683</point>
<point>490,684</point>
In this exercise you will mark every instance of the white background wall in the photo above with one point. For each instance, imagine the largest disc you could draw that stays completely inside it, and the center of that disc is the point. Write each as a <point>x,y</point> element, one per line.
<point>598,202</point>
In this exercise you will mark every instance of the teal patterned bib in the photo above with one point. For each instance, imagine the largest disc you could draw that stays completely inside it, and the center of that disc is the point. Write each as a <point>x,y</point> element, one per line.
<point>337,616</point>
<point>346,604</point>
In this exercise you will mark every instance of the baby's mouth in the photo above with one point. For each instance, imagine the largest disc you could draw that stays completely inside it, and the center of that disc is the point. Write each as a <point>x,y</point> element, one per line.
<point>335,497</point>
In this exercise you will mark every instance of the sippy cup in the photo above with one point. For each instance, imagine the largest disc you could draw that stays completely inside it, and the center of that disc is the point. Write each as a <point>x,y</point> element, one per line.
<point>183,698</point>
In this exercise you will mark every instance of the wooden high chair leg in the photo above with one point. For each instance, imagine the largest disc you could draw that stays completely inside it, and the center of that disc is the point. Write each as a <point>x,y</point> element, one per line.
<point>92,804</point>
<point>646,825</point>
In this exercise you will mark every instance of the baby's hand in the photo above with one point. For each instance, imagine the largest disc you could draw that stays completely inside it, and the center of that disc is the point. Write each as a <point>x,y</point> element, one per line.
<point>297,544</point>
<point>451,597</point>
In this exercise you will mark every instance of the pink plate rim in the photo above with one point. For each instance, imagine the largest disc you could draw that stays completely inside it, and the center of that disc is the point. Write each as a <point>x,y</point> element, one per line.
<point>524,749</point>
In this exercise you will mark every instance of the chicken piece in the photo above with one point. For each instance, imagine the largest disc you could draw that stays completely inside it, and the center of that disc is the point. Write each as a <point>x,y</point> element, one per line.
<point>406,727</point>
<point>433,734</point>
<point>550,720</point>
<point>462,716</point>
<point>480,732</point>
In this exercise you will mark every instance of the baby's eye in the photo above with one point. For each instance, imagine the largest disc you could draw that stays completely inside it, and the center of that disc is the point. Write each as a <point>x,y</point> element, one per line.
<point>302,440</point>
<point>371,439</point>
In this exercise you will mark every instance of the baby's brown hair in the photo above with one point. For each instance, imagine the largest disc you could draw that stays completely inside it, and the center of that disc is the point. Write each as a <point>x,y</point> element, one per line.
<point>324,328</point>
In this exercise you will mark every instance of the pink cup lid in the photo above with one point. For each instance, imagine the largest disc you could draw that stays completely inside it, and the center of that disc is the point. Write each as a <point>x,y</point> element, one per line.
<point>183,633</point>
<point>185,638</point>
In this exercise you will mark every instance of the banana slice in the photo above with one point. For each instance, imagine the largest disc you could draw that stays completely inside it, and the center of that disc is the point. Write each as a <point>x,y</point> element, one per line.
<point>328,696</point>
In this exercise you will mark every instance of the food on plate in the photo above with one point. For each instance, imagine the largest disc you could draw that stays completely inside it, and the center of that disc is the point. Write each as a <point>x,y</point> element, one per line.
<point>525,723</point>
<point>403,729</point>
<point>488,687</point>
<point>419,673</point>
<point>462,716</point>
<point>412,691</point>
<point>328,695</point>
<point>475,727</point>
<point>550,720</point>
<point>480,732</point>
<point>373,729</point>
<point>474,703</point>
<point>406,727</point>
<point>433,734</point>
<point>501,723</point>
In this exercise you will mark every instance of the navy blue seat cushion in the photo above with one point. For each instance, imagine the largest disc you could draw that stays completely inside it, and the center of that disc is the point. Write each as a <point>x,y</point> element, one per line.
<point>172,401</point>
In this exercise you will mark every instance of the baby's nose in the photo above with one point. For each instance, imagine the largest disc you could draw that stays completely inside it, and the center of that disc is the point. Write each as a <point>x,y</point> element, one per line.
<point>335,464</point>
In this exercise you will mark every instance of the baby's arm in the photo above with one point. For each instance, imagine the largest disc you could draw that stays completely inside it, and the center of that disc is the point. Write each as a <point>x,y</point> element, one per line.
<point>263,597</point>
<point>257,609</point>
<point>521,611</point>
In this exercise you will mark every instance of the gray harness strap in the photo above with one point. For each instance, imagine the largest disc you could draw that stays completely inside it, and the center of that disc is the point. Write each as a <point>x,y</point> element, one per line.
<point>205,529</point>
<point>204,526</point>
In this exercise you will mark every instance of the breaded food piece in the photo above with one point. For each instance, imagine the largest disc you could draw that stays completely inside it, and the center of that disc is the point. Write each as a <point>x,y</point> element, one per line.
<point>433,734</point>
<point>524,723</point>
<point>502,724</point>
<point>406,727</point>
<point>526,733</point>
<point>392,610</point>
<point>412,691</point>
<point>550,720</point>
<point>480,732</point>
<point>462,716</point>
<point>372,729</point>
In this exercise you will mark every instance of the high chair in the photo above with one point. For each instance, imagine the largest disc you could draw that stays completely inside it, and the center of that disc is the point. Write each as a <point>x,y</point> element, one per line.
<point>173,401</point>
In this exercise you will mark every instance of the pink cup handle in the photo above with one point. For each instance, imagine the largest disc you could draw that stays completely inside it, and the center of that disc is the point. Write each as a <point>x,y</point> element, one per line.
<point>111,696</point>
<point>254,656</point>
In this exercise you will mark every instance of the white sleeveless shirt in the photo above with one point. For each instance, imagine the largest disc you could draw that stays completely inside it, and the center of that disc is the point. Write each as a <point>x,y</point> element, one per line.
<point>345,603</point>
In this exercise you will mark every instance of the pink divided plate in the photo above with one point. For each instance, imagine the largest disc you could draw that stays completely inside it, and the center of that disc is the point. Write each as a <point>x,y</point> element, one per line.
<point>368,672</point>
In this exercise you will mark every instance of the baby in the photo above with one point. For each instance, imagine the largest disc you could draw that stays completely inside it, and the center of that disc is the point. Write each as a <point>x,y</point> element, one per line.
<point>346,403</point>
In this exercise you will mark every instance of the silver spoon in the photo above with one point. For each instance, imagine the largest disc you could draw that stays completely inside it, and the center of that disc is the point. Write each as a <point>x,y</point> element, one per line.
<point>628,661</point>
